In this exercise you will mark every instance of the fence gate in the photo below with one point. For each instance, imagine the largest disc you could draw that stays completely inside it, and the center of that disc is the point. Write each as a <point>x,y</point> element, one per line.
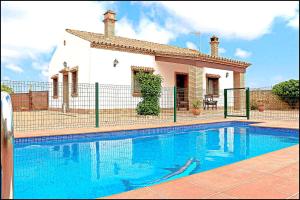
<point>237,102</point>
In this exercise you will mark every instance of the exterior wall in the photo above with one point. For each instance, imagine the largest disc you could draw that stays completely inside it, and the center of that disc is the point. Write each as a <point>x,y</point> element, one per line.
<point>239,82</point>
<point>223,82</point>
<point>75,53</point>
<point>168,70</point>
<point>103,71</point>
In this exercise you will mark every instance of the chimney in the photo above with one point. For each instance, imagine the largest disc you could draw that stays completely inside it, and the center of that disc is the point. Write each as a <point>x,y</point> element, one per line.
<point>214,45</point>
<point>109,23</point>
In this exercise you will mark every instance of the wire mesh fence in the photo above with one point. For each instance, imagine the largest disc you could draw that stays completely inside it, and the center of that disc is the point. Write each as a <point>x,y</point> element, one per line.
<point>45,105</point>
<point>237,102</point>
<point>118,106</point>
<point>266,105</point>
<point>37,106</point>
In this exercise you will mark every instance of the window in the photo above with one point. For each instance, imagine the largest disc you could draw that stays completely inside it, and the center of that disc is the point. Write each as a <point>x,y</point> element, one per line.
<point>136,90</point>
<point>212,86</point>
<point>55,86</point>
<point>74,82</point>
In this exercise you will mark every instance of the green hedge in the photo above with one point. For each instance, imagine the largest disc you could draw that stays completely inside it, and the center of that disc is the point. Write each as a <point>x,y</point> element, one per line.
<point>150,85</point>
<point>288,91</point>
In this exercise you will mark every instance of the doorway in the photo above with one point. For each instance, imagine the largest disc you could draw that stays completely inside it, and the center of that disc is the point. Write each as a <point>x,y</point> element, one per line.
<point>181,80</point>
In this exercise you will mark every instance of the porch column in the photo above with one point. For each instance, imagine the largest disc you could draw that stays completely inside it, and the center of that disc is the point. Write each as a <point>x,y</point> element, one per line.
<point>195,84</point>
<point>239,96</point>
<point>65,73</point>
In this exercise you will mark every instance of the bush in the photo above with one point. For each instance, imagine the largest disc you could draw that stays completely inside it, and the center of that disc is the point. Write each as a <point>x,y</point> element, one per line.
<point>254,106</point>
<point>7,89</point>
<point>288,91</point>
<point>196,104</point>
<point>150,85</point>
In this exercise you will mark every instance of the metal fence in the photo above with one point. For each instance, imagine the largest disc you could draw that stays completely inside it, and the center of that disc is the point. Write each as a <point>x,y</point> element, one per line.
<point>37,106</point>
<point>267,106</point>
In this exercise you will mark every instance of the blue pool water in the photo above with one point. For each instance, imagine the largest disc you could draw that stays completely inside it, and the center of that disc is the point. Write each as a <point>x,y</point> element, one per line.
<point>97,165</point>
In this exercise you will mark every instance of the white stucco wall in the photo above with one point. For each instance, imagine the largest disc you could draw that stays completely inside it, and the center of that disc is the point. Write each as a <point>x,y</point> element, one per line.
<point>223,82</point>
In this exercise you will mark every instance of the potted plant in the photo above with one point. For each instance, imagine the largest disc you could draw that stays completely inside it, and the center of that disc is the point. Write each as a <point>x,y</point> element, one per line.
<point>260,105</point>
<point>196,107</point>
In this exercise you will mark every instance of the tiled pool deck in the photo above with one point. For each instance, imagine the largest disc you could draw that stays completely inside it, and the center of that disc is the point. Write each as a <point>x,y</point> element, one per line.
<point>272,176</point>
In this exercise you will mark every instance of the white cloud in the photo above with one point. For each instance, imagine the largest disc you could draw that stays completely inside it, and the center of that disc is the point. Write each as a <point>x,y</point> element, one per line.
<point>39,25</point>
<point>222,50</point>
<point>242,53</point>
<point>31,30</point>
<point>146,30</point>
<point>231,19</point>
<point>6,78</point>
<point>294,22</point>
<point>42,68</point>
<point>14,68</point>
<point>191,45</point>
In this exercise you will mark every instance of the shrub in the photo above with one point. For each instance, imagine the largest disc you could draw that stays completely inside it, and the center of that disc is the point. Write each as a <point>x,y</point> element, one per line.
<point>288,91</point>
<point>7,89</point>
<point>196,104</point>
<point>150,85</point>
<point>254,106</point>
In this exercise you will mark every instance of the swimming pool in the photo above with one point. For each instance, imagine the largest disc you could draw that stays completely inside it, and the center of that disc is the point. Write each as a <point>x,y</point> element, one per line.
<point>97,165</point>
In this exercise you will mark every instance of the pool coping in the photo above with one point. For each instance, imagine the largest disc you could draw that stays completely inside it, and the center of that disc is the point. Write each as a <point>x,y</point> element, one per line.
<point>60,132</point>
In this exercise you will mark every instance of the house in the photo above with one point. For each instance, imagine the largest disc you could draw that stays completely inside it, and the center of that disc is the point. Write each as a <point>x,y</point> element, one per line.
<point>86,57</point>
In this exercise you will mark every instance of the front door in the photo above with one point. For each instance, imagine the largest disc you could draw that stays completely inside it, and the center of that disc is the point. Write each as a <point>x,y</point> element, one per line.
<point>182,91</point>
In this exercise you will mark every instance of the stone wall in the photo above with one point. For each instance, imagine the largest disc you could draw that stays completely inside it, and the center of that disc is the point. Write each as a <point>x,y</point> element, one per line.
<point>271,101</point>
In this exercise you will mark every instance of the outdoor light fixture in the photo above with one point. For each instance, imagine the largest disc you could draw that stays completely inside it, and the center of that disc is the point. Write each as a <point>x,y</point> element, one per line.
<point>227,74</point>
<point>115,62</point>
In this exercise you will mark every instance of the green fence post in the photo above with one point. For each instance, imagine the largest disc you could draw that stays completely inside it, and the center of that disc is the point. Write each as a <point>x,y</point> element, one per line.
<point>175,103</point>
<point>248,103</point>
<point>97,104</point>
<point>225,103</point>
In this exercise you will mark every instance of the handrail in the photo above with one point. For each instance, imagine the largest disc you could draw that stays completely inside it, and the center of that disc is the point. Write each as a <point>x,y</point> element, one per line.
<point>7,133</point>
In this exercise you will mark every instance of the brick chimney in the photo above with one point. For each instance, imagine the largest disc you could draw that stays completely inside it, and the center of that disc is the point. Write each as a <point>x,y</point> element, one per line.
<point>109,23</point>
<point>214,45</point>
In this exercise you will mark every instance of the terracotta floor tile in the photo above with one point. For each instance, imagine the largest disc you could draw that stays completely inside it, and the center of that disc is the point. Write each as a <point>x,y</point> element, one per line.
<point>144,193</point>
<point>181,190</point>
<point>216,182</point>
<point>269,186</point>
<point>221,196</point>
<point>288,172</point>
<point>256,190</point>
<point>295,196</point>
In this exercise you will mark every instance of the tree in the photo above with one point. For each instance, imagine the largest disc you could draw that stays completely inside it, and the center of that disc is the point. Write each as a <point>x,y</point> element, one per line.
<point>7,89</point>
<point>288,91</point>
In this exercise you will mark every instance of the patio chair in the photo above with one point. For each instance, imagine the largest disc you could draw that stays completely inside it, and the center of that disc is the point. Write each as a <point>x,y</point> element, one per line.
<point>209,101</point>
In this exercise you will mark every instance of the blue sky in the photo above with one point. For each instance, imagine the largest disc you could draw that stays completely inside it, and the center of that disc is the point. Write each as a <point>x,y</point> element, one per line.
<point>265,34</point>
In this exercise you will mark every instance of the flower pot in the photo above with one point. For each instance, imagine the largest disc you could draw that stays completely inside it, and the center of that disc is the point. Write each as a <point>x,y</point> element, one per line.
<point>196,111</point>
<point>261,107</point>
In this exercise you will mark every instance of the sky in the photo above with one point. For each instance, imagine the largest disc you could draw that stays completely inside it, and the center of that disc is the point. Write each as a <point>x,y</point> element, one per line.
<point>266,34</point>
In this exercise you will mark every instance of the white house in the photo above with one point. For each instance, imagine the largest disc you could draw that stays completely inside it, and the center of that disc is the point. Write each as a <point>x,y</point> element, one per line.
<point>86,57</point>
